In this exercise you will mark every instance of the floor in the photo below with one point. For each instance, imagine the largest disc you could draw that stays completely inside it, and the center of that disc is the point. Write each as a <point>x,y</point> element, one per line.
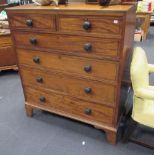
<point>48,134</point>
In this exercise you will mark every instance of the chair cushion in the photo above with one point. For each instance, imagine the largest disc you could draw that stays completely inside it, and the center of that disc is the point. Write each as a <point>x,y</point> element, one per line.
<point>143,111</point>
<point>139,69</point>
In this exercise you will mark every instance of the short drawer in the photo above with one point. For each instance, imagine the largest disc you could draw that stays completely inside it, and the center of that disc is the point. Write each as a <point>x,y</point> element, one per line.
<point>100,25</point>
<point>70,107</point>
<point>33,22</point>
<point>79,88</point>
<point>78,45</point>
<point>79,66</point>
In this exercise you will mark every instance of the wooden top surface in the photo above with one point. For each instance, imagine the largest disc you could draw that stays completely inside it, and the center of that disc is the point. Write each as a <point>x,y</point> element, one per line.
<point>74,7</point>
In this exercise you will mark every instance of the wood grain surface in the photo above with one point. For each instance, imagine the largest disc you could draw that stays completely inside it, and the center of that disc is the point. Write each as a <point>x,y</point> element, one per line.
<point>54,53</point>
<point>72,44</point>
<point>99,69</point>
<point>101,93</point>
<point>7,53</point>
<point>40,22</point>
<point>70,106</point>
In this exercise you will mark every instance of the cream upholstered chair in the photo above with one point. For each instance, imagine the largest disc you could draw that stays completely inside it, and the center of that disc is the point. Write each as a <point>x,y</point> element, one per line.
<point>143,100</point>
<point>143,93</point>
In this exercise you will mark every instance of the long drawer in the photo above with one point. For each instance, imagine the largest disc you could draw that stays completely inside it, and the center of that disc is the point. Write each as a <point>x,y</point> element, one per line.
<point>78,109</point>
<point>89,68</point>
<point>93,25</point>
<point>79,88</point>
<point>85,46</point>
<point>33,22</point>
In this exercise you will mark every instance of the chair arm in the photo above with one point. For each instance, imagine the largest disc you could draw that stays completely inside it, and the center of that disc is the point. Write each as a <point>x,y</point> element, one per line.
<point>151,68</point>
<point>145,93</point>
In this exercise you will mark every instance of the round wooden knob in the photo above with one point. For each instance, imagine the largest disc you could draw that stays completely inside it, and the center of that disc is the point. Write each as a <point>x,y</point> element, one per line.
<point>29,22</point>
<point>88,111</point>
<point>87,68</point>
<point>88,90</point>
<point>42,99</point>
<point>39,79</point>
<point>88,47</point>
<point>36,59</point>
<point>33,41</point>
<point>104,2</point>
<point>86,25</point>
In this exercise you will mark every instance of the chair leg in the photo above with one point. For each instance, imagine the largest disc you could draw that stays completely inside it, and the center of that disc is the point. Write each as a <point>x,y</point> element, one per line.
<point>131,125</point>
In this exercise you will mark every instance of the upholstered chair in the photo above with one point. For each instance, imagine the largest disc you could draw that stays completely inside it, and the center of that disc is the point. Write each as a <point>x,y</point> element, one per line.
<point>143,92</point>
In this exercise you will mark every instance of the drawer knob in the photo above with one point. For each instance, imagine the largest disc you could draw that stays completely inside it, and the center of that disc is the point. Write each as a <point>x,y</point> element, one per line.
<point>29,22</point>
<point>36,60</point>
<point>42,99</point>
<point>33,41</point>
<point>87,68</point>
<point>88,90</point>
<point>39,79</point>
<point>88,111</point>
<point>86,25</point>
<point>88,47</point>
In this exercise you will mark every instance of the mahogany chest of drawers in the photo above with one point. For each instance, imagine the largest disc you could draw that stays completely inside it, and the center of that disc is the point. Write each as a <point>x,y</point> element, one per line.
<point>7,54</point>
<point>71,59</point>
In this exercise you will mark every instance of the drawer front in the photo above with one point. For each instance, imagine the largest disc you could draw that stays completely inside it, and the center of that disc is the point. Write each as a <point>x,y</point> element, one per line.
<point>89,68</point>
<point>5,40</point>
<point>33,22</point>
<point>90,24</point>
<point>81,110</point>
<point>7,56</point>
<point>79,88</point>
<point>85,46</point>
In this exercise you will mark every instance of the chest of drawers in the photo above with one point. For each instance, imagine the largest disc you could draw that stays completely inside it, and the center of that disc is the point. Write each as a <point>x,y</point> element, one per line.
<point>7,54</point>
<point>71,59</point>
